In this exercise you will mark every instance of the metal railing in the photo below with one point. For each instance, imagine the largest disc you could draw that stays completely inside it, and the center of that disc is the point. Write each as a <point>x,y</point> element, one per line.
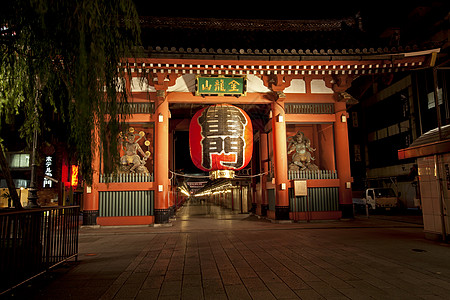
<point>306,174</point>
<point>126,177</point>
<point>126,203</point>
<point>33,241</point>
<point>318,199</point>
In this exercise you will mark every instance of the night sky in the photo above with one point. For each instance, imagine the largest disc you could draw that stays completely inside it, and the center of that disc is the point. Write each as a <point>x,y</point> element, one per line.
<point>376,17</point>
<point>375,14</point>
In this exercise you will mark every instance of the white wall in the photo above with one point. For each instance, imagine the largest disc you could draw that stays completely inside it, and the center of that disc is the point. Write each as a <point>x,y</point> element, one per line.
<point>430,192</point>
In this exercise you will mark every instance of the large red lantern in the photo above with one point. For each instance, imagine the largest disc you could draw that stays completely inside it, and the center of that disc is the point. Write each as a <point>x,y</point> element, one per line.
<point>221,140</point>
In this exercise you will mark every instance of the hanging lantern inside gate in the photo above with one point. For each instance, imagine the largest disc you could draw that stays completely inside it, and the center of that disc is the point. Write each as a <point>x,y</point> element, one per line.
<point>221,140</point>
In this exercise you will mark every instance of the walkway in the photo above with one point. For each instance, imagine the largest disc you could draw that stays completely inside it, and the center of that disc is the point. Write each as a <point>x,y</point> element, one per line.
<point>233,256</point>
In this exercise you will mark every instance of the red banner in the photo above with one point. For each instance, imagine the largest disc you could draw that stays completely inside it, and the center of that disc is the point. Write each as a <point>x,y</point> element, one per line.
<point>74,176</point>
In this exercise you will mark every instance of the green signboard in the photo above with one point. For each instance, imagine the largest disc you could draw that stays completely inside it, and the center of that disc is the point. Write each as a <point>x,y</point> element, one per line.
<point>221,85</point>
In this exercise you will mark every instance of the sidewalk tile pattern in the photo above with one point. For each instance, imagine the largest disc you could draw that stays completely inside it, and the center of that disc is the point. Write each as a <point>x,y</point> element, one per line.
<point>223,256</point>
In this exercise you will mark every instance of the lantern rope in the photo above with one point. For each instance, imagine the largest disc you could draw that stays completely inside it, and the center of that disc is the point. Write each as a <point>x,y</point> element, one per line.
<point>206,176</point>
<point>251,176</point>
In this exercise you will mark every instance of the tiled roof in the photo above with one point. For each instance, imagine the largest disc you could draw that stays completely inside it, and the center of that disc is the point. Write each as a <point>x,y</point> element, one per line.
<point>247,24</point>
<point>292,39</point>
<point>285,54</point>
<point>313,52</point>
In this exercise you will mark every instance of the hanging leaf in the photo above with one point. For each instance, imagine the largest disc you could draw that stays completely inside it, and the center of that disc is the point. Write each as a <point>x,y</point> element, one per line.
<point>65,55</point>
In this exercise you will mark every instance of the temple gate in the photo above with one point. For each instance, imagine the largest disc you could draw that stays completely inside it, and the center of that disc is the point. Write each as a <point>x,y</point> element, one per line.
<point>300,135</point>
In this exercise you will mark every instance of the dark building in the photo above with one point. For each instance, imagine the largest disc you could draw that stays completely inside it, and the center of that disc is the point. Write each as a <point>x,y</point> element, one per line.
<point>395,109</point>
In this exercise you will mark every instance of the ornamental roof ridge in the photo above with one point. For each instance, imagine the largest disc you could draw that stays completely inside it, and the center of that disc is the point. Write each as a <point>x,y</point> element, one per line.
<point>399,50</point>
<point>248,24</point>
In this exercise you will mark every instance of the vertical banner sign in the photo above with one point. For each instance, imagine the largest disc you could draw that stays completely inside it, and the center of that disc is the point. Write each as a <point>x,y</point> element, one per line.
<point>221,138</point>
<point>48,171</point>
<point>74,176</point>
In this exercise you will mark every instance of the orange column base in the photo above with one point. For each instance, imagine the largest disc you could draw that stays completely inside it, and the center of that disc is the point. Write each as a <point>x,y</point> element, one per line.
<point>121,221</point>
<point>280,213</point>
<point>315,215</point>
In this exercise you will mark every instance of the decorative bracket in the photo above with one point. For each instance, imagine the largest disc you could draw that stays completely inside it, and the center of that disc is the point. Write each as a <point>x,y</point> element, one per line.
<point>161,81</point>
<point>339,83</point>
<point>277,82</point>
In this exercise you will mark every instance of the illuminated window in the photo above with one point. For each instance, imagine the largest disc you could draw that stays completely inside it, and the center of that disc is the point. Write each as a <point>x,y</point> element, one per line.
<point>21,160</point>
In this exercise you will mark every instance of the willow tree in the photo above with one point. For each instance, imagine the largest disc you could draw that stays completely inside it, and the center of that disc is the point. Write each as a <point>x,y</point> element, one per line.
<point>65,55</point>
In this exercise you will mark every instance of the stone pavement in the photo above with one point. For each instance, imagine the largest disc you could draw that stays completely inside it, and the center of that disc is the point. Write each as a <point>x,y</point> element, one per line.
<point>209,253</point>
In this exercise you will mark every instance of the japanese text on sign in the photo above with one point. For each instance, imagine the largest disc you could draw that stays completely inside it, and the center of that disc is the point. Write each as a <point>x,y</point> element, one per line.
<point>48,171</point>
<point>74,176</point>
<point>220,85</point>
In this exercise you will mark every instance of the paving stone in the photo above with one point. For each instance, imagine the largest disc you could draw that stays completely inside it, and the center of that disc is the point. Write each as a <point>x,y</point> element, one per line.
<point>147,294</point>
<point>192,292</point>
<point>153,282</point>
<point>136,278</point>
<point>262,295</point>
<point>246,272</point>
<point>237,292</point>
<point>192,280</point>
<point>173,276</point>
<point>280,290</point>
<point>212,287</point>
<point>294,282</point>
<point>127,291</point>
<point>325,290</point>
<point>230,277</point>
<point>172,288</point>
<point>226,256</point>
<point>309,294</point>
<point>210,274</point>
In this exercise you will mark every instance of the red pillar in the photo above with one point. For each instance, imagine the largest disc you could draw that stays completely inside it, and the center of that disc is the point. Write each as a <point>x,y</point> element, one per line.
<point>280,161</point>
<point>161,210</point>
<point>253,190</point>
<point>264,205</point>
<point>172,194</point>
<point>343,160</point>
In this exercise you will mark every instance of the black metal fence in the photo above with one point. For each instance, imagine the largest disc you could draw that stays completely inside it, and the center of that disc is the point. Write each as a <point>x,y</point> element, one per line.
<point>33,241</point>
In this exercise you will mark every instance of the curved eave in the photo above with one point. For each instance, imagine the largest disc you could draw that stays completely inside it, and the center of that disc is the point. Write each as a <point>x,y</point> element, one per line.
<point>429,149</point>
<point>280,64</point>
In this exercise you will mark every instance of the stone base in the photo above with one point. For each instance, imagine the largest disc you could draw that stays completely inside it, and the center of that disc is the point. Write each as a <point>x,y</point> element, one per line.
<point>162,216</point>
<point>281,212</point>
<point>163,225</point>
<point>264,209</point>
<point>281,221</point>
<point>90,217</point>
<point>434,236</point>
